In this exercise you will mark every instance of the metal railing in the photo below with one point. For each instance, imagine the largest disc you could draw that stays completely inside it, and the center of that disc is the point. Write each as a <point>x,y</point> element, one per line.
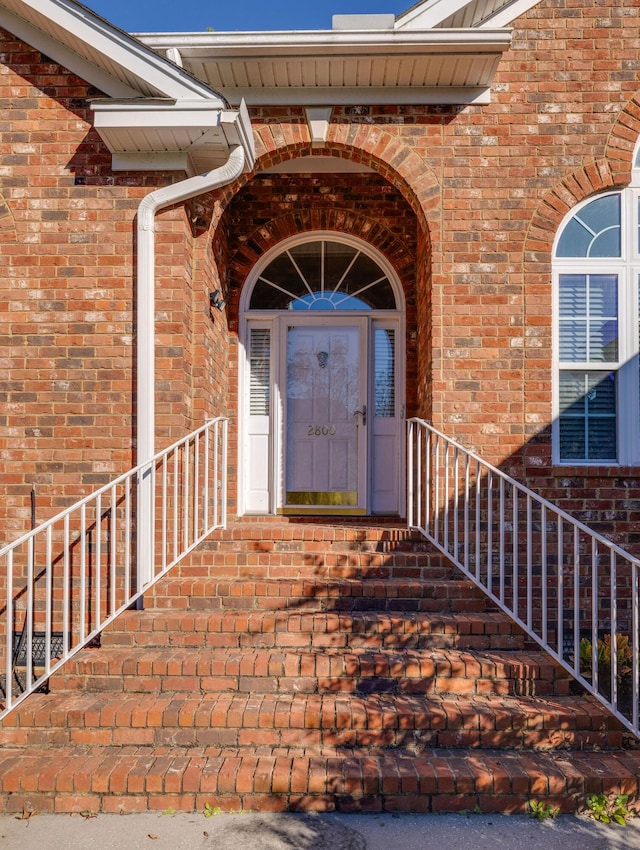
<point>570,589</point>
<point>63,582</point>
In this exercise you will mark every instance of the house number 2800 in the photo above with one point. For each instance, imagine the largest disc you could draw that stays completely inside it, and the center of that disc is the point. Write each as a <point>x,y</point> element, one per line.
<point>321,431</point>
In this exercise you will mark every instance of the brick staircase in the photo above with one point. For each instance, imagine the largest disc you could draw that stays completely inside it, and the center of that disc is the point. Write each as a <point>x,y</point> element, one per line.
<point>302,665</point>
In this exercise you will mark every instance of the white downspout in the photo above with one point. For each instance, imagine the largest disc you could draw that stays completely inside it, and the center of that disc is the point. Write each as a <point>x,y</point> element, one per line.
<point>145,320</point>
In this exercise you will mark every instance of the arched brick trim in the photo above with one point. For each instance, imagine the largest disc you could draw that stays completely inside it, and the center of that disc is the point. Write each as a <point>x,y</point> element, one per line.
<point>622,141</point>
<point>263,238</point>
<point>375,147</point>
<point>7,223</point>
<point>593,177</point>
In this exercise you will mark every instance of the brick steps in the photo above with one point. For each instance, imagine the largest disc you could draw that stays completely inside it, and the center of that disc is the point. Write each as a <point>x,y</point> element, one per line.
<point>114,779</point>
<point>288,720</point>
<point>288,629</point>
<point>150,670</point>
<point>305,666</point>
<point>316,550</point>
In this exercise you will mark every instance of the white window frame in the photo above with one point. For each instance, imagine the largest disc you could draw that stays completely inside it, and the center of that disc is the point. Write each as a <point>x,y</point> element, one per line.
<point>627,269</point>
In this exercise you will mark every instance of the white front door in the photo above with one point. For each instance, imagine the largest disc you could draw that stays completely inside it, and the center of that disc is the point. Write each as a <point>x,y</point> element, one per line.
<point>325,432</point>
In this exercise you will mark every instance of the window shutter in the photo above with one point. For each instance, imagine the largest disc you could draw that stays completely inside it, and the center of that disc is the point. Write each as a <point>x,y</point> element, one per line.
<point>260,372</point>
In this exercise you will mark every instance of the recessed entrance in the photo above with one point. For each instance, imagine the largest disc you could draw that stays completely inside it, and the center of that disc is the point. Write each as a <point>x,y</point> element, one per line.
<point>323,381</point>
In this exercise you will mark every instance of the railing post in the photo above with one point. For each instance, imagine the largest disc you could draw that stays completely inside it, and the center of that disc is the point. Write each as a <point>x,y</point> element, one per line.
<point>410,518</point>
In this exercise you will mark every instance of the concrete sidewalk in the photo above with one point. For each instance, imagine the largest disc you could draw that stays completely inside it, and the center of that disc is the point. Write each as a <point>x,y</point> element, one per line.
<point>155,831</point>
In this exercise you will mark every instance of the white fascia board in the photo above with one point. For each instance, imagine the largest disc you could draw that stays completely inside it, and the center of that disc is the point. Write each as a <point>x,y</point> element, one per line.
<point>429,14</point>
<point>118,47</point>
<point>360,96</point>
<point>151,112</point>
<point>67,58</point>
<point>507,15</point>
<point>330,42</point>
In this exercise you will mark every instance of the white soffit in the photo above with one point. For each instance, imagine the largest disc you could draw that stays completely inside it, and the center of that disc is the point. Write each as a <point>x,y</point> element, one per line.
<point>342,67</point>
<point>463,13</point>
<point>103,55</point>
<point>192,136</point>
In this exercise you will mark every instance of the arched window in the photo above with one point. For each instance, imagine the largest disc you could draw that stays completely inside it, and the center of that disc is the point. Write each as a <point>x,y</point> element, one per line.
<point>322,274</point>
<point>596,272</point>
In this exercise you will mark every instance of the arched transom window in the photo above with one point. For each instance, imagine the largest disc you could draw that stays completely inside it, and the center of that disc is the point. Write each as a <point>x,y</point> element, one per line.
<point>322,274</point>
<point>597,268</point>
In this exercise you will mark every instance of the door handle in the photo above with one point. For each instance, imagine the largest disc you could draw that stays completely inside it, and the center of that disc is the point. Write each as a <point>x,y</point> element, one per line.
<point>362,413</point>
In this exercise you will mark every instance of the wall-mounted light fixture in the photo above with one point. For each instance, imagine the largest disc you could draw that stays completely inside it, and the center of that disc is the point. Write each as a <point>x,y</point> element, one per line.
<point>216,300</point>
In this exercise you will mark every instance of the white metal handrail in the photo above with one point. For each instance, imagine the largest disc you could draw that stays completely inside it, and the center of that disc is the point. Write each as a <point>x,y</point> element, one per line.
<point>66,580</point>
<point>569,588</point>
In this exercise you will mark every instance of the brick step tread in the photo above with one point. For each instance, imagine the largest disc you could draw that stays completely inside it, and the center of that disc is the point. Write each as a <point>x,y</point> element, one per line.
<point>375,720</point>
<point>142,669</point>
<point>328,594</point>
<point>243,568</point>
<point>288,628</point>
<point>287,563</point>
<point>131,778</point>
<point>301,588</point>
<point>302,551</point>
<point>392,532</point>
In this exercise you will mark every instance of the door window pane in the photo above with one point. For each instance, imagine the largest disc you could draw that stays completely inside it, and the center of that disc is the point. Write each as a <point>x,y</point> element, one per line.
<point>385,370</point>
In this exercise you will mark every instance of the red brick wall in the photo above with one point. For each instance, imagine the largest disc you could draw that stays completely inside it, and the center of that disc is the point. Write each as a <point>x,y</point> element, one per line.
<point>66,298</point>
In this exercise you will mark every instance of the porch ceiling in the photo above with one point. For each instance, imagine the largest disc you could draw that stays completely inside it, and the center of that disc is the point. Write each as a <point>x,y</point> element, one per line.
<point>335,67</point>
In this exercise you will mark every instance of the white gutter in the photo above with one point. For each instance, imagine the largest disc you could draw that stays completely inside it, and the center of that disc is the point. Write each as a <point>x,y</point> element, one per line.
<point>145,319</point>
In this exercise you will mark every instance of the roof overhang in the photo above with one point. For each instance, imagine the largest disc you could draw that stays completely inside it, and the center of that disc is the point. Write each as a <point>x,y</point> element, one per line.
<point>337,68</point>
<point>463,13</point>
<point>103,55</point>
<point>191,136</point>
<point>158,115</point>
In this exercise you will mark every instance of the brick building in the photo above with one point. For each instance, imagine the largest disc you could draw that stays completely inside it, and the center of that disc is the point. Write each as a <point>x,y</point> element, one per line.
<point>450,165</point>
<point>432,215</point>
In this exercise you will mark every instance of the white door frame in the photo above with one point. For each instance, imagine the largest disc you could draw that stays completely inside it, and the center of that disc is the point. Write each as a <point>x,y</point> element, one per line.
<point>265,446</point>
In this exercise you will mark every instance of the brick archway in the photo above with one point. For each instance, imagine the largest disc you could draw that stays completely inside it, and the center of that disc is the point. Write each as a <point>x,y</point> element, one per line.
<point>612,170</point>
<point>265,236</point>
<point>379,149</point>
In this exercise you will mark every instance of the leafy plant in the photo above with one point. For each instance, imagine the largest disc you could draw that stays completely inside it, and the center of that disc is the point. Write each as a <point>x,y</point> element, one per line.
<point>608,810</point>
<point>604,651</point>
<point>540,810</point>
<point>210,811</point>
